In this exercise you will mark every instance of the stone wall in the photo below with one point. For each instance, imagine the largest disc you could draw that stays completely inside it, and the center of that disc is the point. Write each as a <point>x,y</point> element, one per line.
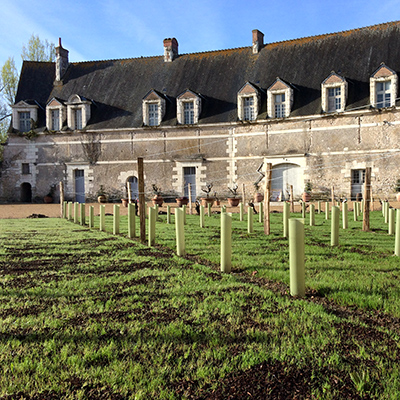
<point>326,148</point>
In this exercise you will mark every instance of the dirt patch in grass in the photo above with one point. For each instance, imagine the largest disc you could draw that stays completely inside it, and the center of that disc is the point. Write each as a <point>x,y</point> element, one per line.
<point>273,380</point>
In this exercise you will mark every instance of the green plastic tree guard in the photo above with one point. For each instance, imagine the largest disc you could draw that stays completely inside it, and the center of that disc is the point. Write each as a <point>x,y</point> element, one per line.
<point>226,242</point>
<point>70,211</point>
<point>261,213</point>
<point>91,216</point>
<point>202,217</point>
<point>116,220</point>
<point>168,214</point>
<point>319,206</point>
<point>83,214</point>
<point>397,235</point>
<point>152,225</point>
<point>209,209</point>
<point>102,218</point>
<point>335,226</point>
<point>355,211</point>
<point>241,211</point>
<point>312,215</point>
<point>76,213</point>
<point>184,214</point>
<point>361,209</point>
<point>180,232</point>
<point>296,257</point>
<point>326,210</point>
<point>386,212</point>
<point>131,220</point>
<point>250,220</point>
<point>345,215</point>
<point>286,215</point>
<point>303,209</point>
<point>391,221</point>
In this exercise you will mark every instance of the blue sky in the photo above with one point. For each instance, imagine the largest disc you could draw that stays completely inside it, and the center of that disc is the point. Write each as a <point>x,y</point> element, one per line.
<point>112,29</point>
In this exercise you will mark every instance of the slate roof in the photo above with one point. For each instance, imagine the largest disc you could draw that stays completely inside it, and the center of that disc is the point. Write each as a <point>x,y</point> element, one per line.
<point>117,87</point>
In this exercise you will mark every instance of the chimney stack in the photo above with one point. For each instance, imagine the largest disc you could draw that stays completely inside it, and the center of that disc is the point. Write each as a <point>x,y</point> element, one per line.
<point>258,41</point>
<point>170,49</point>
<point>61,61</point>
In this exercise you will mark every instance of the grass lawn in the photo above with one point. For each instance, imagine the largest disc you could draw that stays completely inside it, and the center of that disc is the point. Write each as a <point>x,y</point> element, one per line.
<point>87,314</point>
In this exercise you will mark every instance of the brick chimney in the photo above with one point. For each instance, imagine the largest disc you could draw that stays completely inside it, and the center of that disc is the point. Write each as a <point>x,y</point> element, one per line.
<point>170,49</point>
<point>61,61</point>
<point>258,41</point>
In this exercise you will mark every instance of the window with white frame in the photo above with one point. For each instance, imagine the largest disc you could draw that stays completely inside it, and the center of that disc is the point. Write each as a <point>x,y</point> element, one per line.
<point>55,120</point>
<point>383,87</point>
<point>78,118</point>
<point>333,93</point>
<point>279,99</point>
<point>153,108</point>
<point>248,102</point>
<point>248,109</point>
<point>383,94</point>
<point>188,106</point>
<point>334,99</point>
<point>153,114</point>
<point>24,121</point>
<point>188,112</point>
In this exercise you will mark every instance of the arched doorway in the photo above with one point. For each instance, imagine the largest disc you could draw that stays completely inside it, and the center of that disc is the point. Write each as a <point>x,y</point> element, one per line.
<point>284,175</point>
<point>134,187</point>
<point>26,192</point>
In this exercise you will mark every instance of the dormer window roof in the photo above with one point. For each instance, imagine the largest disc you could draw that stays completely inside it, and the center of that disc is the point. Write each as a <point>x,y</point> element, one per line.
<point>78,112</point>
<point>383,87</point>
<point>334,93</point>
<point>24,114</point>
<point>153,108</point>
<point>56,114</point>
<point>279,99</point>
<point>188,108</point>
<point>248,100</point>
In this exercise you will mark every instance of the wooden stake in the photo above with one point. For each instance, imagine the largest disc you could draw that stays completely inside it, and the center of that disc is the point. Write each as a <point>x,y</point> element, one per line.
<point>243,194</point>
<point>367,199</point>
<point>142,205</point>
<point>333,195</point>
<point>267,196</point>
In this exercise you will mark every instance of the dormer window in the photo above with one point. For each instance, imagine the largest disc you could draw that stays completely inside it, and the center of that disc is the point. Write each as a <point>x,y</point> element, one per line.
<point>78,112</point>
<point>333,93</point>
<point>383,87</point>
<point>55,114</point>
<point>188,108</point>
<point>23,114</point>
<point>248,99</point>
<point>279,99</point>
<point>153,108</point>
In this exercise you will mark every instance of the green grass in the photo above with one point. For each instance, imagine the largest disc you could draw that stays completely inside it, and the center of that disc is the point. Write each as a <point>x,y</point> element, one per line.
<point>86,313</point>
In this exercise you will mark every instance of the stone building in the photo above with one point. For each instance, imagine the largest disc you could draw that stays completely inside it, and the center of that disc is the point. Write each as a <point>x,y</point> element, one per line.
<point>320,109</point>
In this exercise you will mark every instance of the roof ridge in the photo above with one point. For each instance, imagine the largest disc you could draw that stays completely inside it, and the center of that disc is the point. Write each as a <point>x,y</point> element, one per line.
<point>286,41</point>
<point>396,22</point>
